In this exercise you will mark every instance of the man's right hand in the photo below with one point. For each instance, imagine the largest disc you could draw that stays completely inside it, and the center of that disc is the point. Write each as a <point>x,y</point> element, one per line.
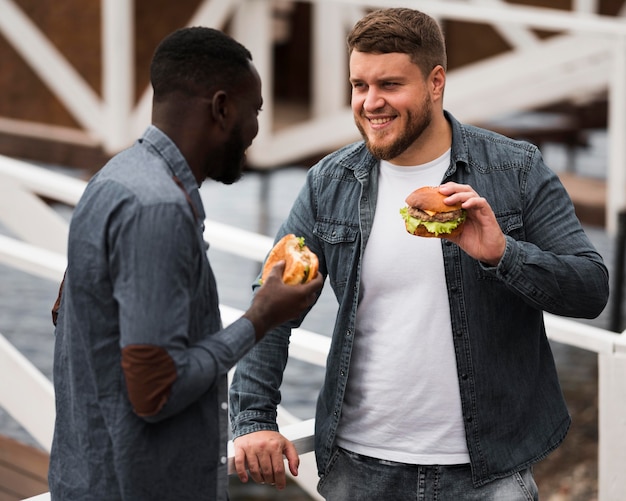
<point>275,302</point>
<point>262,454</point>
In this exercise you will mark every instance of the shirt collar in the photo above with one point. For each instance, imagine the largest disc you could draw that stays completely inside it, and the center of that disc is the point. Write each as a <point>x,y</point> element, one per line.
<point>176,163</point>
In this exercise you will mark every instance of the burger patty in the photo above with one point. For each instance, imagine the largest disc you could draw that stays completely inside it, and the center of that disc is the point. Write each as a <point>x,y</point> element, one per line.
<point>440,217</point>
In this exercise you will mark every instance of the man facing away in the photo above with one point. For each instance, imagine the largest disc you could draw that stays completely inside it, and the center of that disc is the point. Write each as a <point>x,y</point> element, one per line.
<point>440,382</point>
<point>141,356</point>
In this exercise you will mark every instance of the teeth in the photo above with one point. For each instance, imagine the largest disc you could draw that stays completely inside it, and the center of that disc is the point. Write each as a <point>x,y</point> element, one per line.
<point>379,121</point>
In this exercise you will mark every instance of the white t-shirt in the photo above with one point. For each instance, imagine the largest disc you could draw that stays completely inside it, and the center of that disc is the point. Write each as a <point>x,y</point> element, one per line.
<point>402,400</point>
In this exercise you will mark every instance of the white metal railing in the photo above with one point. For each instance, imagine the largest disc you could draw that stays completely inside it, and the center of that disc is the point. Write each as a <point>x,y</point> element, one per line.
<point>36,414</point>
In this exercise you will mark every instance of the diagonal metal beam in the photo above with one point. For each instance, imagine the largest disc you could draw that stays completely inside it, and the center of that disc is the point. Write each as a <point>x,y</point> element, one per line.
<point>52,67</point>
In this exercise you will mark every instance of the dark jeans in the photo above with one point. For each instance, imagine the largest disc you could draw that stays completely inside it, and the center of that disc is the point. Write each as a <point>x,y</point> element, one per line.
<point>353,477</point>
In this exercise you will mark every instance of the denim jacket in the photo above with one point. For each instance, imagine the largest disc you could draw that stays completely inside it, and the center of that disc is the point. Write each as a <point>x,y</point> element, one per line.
<point>512,403</point>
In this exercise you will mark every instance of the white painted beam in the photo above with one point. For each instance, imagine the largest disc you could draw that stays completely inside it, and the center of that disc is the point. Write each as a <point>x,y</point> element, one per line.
<point>612,426</point>
<point>329,61</point>
<point>118,72</point>
<point>616,177</point>
<point>31,219</point>
<point>36,412</point>
<point>41,181</point>
<point>32,259</point>
<point>52,67</point>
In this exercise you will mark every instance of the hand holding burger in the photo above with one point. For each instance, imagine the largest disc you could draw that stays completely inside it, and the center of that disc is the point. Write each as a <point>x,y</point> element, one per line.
<point>301,264</point>
<point>426,214</point>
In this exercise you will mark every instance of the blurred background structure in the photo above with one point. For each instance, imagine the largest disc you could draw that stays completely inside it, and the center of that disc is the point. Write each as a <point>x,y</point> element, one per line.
<point>74,91</point>
<point>74,84</point>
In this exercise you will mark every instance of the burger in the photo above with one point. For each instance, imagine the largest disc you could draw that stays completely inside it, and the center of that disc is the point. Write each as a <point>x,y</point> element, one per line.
<point>426,215</point>
<point>301,264</point>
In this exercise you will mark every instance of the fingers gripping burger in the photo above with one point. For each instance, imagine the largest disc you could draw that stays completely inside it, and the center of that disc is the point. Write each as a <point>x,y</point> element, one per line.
<point>301,264</point>
<point>426,215</point>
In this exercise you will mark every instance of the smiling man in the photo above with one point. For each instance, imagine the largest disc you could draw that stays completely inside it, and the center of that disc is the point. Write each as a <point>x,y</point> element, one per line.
<point>440,383</point>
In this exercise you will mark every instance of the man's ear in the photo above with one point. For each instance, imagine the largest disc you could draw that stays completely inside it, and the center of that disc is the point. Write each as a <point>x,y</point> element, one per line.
<point>219,108</point>
<point>437,81</point>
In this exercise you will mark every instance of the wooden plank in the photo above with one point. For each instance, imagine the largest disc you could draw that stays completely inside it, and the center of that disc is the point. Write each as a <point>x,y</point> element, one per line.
<point>23,470</point>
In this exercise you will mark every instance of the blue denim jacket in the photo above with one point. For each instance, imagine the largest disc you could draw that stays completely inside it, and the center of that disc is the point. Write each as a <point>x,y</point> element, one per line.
<point>512,402</point>
<point>138,276</point>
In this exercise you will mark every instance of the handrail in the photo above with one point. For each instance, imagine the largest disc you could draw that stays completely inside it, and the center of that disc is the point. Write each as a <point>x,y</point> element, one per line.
<point>586,337</point>
<point>305,345</point>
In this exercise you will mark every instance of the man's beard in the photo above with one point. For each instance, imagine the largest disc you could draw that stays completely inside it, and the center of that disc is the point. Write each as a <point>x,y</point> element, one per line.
<point>415,127</point>
<point>234,158</point>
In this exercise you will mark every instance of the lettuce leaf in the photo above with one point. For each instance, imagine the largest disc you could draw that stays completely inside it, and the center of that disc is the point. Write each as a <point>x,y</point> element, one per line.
<point>433,226</point>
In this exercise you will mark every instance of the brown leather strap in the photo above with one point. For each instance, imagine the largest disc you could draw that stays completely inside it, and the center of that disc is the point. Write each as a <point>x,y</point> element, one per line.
<point>57,303</point>
<point>179,183</point>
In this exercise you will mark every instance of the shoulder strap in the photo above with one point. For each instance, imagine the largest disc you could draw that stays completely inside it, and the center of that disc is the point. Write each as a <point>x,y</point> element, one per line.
<point>179,183</point>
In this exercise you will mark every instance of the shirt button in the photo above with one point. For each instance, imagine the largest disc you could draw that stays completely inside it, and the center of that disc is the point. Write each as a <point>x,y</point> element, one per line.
<point>464,377</point>
<point>223,459</point>
<point>224,406</point>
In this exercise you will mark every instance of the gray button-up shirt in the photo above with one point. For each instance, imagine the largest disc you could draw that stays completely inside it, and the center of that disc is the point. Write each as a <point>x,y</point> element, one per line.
<point>141,358</point>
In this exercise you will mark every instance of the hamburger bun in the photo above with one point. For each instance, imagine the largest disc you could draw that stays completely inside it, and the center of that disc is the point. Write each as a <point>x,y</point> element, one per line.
<point>301,264</point>
<point>429,198</point>
<point>426,214</point>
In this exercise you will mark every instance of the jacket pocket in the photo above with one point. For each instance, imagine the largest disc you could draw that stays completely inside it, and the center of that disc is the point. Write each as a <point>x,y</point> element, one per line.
<point>340,250</point>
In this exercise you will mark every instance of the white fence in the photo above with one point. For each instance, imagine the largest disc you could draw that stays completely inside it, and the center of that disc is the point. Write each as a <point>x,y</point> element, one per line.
<point>36,412</point>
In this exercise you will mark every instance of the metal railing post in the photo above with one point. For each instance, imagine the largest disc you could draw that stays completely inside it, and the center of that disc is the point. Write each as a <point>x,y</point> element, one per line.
<point>617,292</point>
<point>612,423</point>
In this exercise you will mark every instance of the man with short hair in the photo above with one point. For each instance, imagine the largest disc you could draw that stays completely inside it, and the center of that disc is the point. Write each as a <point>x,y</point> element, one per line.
<point>141,356</point>
<point>440,382</point>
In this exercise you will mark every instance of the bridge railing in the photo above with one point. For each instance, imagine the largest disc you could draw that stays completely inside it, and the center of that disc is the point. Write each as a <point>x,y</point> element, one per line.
<point>30,396</point>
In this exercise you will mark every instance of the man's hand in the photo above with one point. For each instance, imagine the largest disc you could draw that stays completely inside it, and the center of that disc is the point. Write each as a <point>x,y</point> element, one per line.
<point>275,302</point>
<point>482,237</point>
<point>261,454</point>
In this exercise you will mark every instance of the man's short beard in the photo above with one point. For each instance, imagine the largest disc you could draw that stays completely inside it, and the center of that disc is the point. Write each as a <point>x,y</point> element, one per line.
<point>234,161</point>
<point>416,126</point>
